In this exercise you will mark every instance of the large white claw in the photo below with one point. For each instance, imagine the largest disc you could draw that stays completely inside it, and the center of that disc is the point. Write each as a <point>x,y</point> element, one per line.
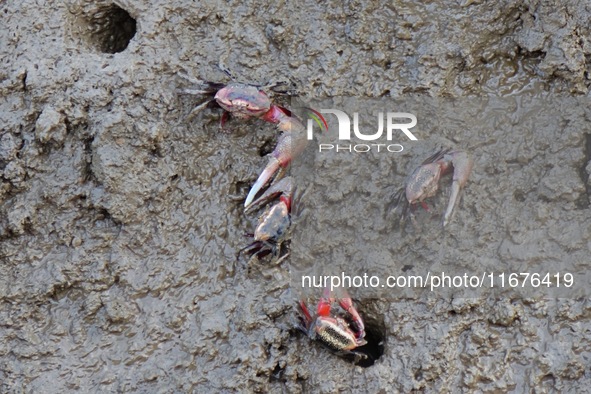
<point>282,187</point>
<point>265,176</point>
<point>290,144</point>
<point>462,164</point>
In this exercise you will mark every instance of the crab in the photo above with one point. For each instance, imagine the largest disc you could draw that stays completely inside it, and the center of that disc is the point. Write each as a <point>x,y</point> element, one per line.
<point>240,100</point>
<point>423,182</point>
<point>249,101</point>
<point>274,223</point>
<point>332,330</point>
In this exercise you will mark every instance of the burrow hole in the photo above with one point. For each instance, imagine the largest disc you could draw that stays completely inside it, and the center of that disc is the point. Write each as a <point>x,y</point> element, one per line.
<point>374,348</point>
<point>105,26</point>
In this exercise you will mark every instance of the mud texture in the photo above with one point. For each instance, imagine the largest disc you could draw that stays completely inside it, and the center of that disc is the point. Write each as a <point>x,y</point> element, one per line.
<point>120,219</point>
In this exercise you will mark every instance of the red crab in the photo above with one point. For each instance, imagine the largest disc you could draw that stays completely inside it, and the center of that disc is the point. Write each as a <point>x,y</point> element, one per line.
<point>246,101</point>
<point>331,329</point>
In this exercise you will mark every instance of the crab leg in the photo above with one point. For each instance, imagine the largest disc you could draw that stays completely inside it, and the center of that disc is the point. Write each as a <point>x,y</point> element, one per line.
<point>347,304</point>
<point>462,163</point>
<point>306,312</point>
<point>198,109</point>
<point>284,187</point>
<point>290,145</point>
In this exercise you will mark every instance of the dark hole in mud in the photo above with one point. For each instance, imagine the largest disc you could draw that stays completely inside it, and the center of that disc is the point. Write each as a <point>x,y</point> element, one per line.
<point>277,373</point>
<point>119,29</point>
<point>267,147</point>
<point>109,28</point>
<point>373,349</point>
<point>519,195</point>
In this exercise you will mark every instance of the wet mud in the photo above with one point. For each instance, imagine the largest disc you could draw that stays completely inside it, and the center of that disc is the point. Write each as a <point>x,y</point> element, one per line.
<point>120,219</point>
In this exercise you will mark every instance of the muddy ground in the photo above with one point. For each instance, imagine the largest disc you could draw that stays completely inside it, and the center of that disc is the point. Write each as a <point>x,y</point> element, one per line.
<point>120,219</point>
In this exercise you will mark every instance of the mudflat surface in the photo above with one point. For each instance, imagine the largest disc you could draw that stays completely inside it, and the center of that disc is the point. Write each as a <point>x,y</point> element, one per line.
<point>120,219</point>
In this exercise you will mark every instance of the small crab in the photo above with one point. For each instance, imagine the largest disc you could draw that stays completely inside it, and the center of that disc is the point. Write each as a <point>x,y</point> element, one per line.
<point>246,101</point>
<point>423,182</point>
<point>274,223</point>
<point>331,330</point>
<point>239,100</point>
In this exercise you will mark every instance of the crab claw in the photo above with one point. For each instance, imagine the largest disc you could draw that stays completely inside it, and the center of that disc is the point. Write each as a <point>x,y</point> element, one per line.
<point>270,170</point>
<point>284,187</point>
<point>462,164</point>
<point>289,146</point>
<point>306,315</point>
<point>346,302</point>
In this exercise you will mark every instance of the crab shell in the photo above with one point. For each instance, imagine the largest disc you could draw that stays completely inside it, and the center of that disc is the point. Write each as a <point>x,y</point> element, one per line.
<point>423,182</point>
<point>243,101</point>
<point>335,333</point>
<point>274,224</point>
